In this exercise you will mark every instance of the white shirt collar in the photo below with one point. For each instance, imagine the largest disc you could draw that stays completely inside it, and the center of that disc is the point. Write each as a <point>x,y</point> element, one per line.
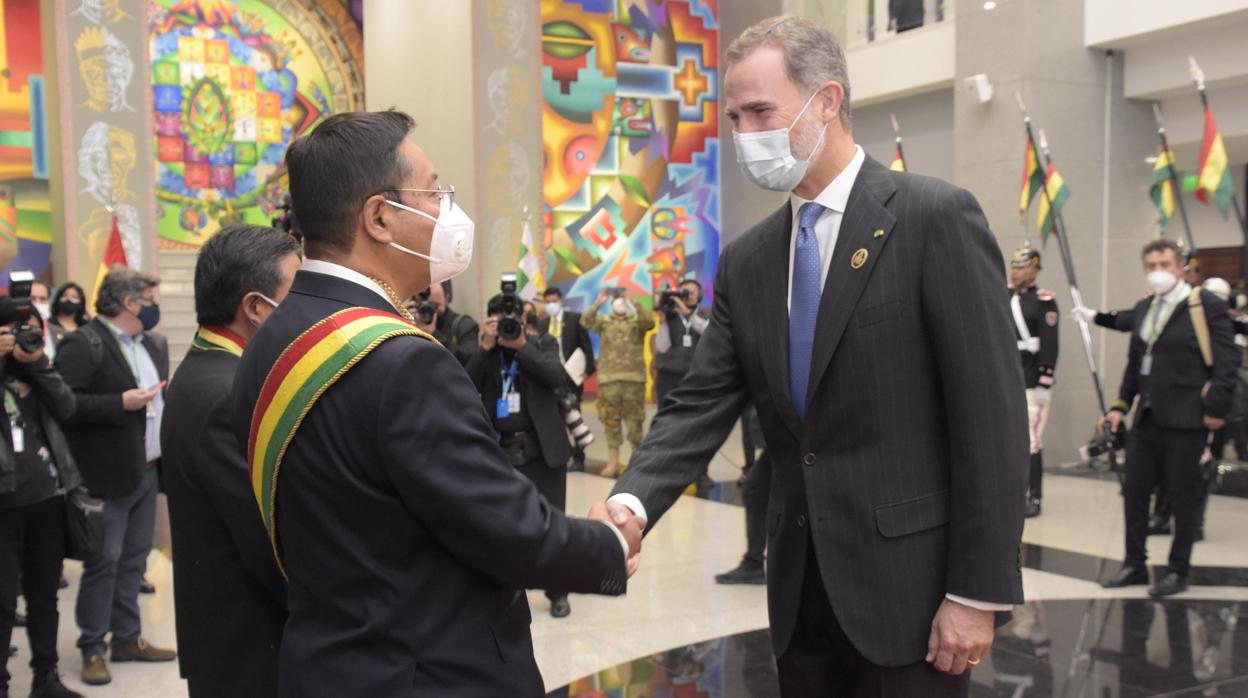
<point>835,196</point>
<point>320,266</point>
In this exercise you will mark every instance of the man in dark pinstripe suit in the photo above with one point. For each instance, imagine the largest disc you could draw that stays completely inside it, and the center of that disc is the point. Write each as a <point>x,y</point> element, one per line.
<point>893,409</point>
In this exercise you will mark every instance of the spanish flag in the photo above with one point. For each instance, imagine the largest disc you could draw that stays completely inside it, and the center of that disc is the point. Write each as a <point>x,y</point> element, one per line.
<point>899,159</point>
<point>1033,176</point>
<point>1214,177</point>
<point>114,255</point>
<point>1058,192</point>
<point>1162,189</point>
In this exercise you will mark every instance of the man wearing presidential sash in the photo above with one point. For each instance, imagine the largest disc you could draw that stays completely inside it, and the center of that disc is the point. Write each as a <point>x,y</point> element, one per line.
<point>229,597</point>
<point>405,537</point>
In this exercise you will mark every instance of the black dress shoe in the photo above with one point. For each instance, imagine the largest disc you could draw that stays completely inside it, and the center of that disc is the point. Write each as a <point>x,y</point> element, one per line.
<point>560,608</point>
<point>49,686</point>
<point>1169,585</point>
<point>146,587</point>
<point>1033,508</point>
<point>1158,526</point>
<point>744,574</point>
<point>1129,576</point>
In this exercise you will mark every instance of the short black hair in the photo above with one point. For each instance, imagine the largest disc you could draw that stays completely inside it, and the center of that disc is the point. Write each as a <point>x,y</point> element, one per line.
<point>1161,245</point>
<point>236,261</point>
<point>336,168</point>
<point>494,305</point>
<point>552,291</point>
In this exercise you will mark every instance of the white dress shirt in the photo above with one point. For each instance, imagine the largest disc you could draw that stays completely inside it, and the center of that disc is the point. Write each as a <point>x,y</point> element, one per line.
<point>833,198</point>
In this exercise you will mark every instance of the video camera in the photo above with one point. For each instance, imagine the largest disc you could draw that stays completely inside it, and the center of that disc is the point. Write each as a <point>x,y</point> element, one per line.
<point>510,325</point>
<point>668,296</point>
<point>426,311</point>
<point>29,337</point>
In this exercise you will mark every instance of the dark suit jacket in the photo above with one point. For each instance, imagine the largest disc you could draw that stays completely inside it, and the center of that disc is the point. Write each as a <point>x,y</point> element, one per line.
<point>407,537</point>
<point>229,597</point>
<point>574,337</point>
<point>107,441</point>
<point>909,471</point>
<point>1178,375</point>
<point>541,376</point>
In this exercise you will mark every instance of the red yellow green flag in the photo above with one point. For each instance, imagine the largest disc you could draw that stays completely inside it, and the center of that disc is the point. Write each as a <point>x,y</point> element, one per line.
<point>1058,192</point>
<point>1162,190</point>
<point>1033,177</point>
<point>1213,175</point>
<point>899,160</point>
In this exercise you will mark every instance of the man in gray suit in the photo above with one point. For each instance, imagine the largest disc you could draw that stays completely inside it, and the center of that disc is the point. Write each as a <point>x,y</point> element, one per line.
<point>894,412</point>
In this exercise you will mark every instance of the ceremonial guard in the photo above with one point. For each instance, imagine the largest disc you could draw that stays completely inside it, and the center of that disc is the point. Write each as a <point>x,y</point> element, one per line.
<point>1035,327</point>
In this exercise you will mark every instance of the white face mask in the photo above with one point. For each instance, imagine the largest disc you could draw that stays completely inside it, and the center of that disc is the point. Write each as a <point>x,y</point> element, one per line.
<point>621,306</point>
<point>767,159</point>
<point>45,309</point>
<point>450,250</point>
<point>1162,281</point>
<point>553,309</point>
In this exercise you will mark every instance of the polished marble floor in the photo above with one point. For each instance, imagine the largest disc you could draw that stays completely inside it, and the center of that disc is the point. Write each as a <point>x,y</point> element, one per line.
<point>677,633</point>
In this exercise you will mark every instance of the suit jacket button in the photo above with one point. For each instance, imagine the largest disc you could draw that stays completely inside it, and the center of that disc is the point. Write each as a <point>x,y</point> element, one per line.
<point>809,459</point>
<point>801,520</point>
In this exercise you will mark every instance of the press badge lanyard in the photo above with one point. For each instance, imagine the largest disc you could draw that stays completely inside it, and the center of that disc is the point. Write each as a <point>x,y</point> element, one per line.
<point>1161,316</point>
<point>688,323</point>
<point>509,403</point>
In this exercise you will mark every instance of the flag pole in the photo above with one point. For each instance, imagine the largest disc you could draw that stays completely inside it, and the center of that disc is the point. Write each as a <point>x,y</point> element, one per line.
<point>1174,179</point>
<point>1076,297</point>
<point>1198,77</point>
<point>897,132</point>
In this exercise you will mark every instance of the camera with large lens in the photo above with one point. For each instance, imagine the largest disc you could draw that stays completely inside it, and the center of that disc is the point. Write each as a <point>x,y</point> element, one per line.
<point>574,421</point>
<point>426,311</point>
<point>510,325</point>
<point>29,336</point>
<point>1100,452</point>
<point>668,296</point>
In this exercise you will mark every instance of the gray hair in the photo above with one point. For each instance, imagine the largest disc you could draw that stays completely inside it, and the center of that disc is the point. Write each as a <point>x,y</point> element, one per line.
<point>120,284</point>
<point>812,55</point>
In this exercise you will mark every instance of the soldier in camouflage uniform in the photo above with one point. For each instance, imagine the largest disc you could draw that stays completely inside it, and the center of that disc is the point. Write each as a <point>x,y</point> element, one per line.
<point>621,372</point>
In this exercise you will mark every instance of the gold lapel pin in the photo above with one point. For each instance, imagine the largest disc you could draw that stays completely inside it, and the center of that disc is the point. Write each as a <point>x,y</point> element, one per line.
<point>878,234</point>
<point>859,258</point>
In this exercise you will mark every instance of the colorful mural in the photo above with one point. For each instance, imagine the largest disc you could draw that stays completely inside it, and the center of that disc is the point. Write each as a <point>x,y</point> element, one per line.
<point>233,83</point>
<point>25,207</point>
<point>630,124</point>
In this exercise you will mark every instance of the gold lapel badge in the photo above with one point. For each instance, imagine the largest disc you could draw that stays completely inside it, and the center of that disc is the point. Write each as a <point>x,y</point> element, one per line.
<point>878,234</point>
<point>859,259</point>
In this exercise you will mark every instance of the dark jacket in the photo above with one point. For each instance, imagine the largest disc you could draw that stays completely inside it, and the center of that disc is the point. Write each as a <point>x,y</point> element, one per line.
<point>678,358</point>
<point>107,441</point>
<point>459,333</point>
<point>56,404</point>
<point>907,477</point>
<point>1175,387</point>
<point>541,378</point>
<point>407,536</point>
<point>229,597</point>
<point>1039,311</point>
<point>574,337</point>
<point>1117,320</point>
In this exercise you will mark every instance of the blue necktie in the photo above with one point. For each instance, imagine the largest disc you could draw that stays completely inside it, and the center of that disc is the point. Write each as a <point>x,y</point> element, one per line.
<point>804,304</point>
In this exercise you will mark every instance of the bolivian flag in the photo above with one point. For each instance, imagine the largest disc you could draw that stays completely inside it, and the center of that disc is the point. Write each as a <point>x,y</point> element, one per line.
<point>1162,189</point>
<point>1046,218</point>
<point>899,159</point>
<point>114,255</point>
<point>1033,177</point>
<point>1214,177</point>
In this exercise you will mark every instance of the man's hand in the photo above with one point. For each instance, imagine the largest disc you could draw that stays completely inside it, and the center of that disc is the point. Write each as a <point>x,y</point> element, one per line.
<point>624,519</point>
<point>1113,419</point>
<point>1211,423</point>
<point>1083,312</point>
<point>27,357</point>
<point>960,638</point>
<point>137,399</point>
<point>489,333</point>
<point>7,342</point>
<point>684,310</point>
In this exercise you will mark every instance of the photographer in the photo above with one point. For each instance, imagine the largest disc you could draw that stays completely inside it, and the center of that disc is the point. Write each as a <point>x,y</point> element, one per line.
<point>621,371</point>
<point>36,470</point>
<point>519,376</point>
<point>683,324</point>
<point>432,310</point>
<point>565,326</point>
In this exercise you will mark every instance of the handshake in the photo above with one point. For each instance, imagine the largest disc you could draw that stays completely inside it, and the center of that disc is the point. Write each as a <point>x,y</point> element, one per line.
<point>630,526</point>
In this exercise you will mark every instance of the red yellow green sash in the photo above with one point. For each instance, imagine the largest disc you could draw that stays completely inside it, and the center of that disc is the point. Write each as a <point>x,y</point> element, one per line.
<point>303,372</point>
<point>214,338</point>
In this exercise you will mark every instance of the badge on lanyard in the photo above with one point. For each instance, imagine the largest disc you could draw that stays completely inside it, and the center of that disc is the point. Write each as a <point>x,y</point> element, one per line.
<point>509,403</point>
<point>1146,365</point>
<point>513,402</point>
<point>688,341</point>
<point>19,439</point>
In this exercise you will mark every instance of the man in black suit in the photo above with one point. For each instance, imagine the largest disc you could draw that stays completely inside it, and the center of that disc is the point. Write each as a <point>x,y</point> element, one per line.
<point>456,331</point>
<point>565,326</point>
<point>1181,366</point>
<point>117,368</point>
<point>683,323</point>
<point>890,394</point>
<point>525,373</point>
<point>228,594</point>
<point>406,536</point>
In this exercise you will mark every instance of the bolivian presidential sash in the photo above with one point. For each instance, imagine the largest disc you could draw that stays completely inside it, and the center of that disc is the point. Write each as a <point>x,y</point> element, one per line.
<point>213,338</point>
<point>303,372</point>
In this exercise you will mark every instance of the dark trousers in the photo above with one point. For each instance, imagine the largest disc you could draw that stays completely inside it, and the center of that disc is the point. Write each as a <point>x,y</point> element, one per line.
<point>32,544</point>
<point>664,383</point>
<point>552,483</point>
<point>108,598</point>
<point>1157,455</point>
<point>755,492</point>
<point>821,661</point>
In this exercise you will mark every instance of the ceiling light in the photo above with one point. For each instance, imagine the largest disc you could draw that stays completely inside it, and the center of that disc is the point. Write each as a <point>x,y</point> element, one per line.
<point>990,5</point>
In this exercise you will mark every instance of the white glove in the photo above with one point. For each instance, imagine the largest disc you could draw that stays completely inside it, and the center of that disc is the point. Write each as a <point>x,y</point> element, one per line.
<point>1084,312</point>
<point>1042,396</point>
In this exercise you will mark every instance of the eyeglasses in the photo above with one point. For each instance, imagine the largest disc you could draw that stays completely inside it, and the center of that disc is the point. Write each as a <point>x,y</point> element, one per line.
<point>447,191</point>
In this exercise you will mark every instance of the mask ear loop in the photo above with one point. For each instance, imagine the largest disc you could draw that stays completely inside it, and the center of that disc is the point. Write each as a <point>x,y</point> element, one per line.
<point>401,248</point>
